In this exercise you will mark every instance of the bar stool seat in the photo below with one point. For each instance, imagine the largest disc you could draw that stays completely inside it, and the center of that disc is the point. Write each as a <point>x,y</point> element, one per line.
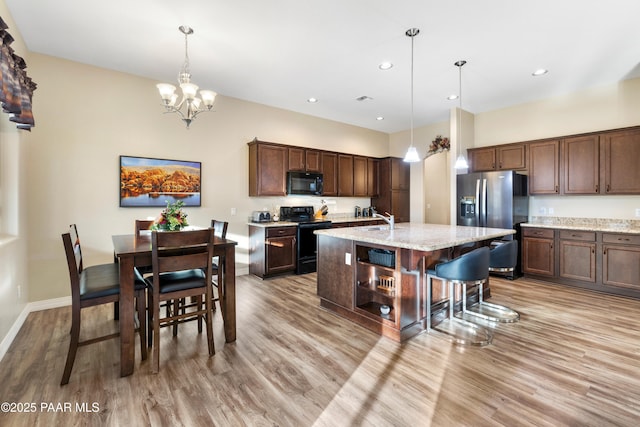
<point>472,268</point>
<point>502,259</point>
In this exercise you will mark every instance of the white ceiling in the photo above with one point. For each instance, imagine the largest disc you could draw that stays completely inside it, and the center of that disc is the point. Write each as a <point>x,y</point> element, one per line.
<point>281,52</point>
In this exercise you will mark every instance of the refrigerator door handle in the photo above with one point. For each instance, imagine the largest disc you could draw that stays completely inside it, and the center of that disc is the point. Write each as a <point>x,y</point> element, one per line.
<point>477,203</point>
<point>483,203</point>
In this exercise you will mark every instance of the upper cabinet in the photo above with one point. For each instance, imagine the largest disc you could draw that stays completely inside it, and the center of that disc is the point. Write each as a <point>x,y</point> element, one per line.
<point>373,168</point>
<point>345,175</point>
<point>580,164</point>
<point>544,176</point>
<point>329,173</point>
<point>267,169</point>
<point>304,159</point>
<point>501,157</point>
<point>360,176</point>
<point>620,160</point>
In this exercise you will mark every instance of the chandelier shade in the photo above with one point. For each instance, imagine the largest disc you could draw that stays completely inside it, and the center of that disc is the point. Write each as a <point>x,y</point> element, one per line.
<point>412,154</point>
<point>461,161</point>
<point>189,105</point>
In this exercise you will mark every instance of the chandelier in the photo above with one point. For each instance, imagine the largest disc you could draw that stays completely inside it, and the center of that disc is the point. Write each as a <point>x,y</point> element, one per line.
<point>193,105</point>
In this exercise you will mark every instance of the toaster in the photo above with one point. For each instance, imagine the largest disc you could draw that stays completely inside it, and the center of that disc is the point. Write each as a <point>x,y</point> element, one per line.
<point>260,216</point>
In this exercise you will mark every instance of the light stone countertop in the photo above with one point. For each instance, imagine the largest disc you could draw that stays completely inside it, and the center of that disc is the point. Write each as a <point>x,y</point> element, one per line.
<point>586,224</point>
<point>418,236</point>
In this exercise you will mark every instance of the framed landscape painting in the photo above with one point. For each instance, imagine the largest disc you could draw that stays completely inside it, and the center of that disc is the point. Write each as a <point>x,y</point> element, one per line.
<point>153,182</point>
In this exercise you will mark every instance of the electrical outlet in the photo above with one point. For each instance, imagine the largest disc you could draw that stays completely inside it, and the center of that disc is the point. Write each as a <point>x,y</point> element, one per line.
<point>550,211</point>
<point>347,258</point>
<point>234,211</point>
<point>19,291</point>
<point>543,211</point>
<point>638,213</point>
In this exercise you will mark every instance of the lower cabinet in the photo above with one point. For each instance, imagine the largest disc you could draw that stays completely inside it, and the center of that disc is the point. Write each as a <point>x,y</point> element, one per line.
<point>621,261</point>
<point>538,255</point>
<point>272,250</point>
<point>601,261</point>
<point>578,255</point>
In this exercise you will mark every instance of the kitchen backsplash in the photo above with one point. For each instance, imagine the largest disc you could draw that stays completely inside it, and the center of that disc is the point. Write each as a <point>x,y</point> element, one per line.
<point>595,223</point>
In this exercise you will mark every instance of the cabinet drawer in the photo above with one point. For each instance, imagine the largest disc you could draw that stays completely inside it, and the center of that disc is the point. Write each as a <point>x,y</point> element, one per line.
<point>537,232</point>
<point>586,236</point>
<point>281,231</point>
<point>625,239</point>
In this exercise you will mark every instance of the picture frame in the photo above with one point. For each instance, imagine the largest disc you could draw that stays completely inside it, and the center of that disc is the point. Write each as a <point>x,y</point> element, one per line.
<point>152,182</point>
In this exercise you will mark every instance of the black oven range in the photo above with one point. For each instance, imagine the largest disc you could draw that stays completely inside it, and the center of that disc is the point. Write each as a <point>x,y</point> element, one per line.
<point>306,239</point>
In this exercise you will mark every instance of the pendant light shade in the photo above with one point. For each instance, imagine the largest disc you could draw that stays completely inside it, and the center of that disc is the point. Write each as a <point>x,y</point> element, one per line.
<point>461,161</point>
<point>412,154</point>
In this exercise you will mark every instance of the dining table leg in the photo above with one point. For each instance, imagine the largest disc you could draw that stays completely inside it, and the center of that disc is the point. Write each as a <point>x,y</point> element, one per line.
<point>127,327</point>
<point>228,297</point>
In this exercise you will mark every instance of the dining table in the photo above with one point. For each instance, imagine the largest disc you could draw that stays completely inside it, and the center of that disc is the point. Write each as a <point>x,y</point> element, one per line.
<point>135,251</point>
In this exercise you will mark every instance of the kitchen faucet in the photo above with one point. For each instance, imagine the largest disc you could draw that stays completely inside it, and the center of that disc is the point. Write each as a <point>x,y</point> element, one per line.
<point>389,220</point>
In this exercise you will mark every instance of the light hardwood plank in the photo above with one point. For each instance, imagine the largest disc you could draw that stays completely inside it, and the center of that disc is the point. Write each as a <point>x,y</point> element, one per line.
<point>573,359</point>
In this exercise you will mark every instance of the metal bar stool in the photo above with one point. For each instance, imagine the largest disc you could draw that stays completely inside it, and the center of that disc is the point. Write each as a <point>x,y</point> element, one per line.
<point>502,259</point>
<point>471,268</point>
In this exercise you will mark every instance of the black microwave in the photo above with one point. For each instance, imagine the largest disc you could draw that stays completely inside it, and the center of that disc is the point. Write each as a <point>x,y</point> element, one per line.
<point>304,183</point>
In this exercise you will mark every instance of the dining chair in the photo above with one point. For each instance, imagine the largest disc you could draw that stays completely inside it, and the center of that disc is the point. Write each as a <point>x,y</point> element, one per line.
<point>220,230</point>
<point>181,264</point>
<point>92,286</point>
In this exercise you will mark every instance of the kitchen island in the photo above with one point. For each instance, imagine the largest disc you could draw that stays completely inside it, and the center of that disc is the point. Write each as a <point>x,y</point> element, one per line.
<point>374,275</point>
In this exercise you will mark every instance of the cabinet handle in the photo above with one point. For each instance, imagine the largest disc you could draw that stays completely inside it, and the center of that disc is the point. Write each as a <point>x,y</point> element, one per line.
<point>608,188</point>
<point>593,251</point>
<point>551,246</point>
<point>597,187</point>
<point>500,165</point>
<point>556,188</point>
<point>622,239</point>
<point>576,235</point>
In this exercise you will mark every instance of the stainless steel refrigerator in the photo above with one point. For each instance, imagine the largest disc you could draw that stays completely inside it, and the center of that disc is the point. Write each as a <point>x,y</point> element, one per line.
<point>493,199</point>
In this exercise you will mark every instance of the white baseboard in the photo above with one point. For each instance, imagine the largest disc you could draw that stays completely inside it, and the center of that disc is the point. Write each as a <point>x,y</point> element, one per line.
<point>46,305</point>
<point>30,307</point>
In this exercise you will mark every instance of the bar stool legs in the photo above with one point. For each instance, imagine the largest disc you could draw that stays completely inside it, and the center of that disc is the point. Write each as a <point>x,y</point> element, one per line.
<point>460,331</point>
<point>502,259</point>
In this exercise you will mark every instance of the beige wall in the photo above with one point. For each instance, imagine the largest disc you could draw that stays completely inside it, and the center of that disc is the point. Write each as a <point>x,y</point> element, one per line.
<point>607,107</point>
<point>86,117</point>
<point>13,226</point>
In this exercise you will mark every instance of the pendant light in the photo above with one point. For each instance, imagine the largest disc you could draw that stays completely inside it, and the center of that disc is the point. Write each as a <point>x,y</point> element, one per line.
<point>461,161</point>
<point>412,153</point>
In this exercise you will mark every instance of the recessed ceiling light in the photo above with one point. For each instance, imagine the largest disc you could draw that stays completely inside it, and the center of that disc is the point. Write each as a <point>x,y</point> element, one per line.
<point>312,100</point>
<point>379,118</point>
<point>540,72</point>
<point>452,97</point>
<point>385,65</point>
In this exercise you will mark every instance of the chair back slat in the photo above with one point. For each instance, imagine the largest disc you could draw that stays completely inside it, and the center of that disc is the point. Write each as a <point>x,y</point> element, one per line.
<point>181,250</point>
<point>142,225</point>
<point>220,228</point>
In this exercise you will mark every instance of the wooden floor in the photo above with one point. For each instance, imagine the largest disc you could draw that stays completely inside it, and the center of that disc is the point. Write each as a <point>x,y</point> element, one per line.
<point>573,359</point>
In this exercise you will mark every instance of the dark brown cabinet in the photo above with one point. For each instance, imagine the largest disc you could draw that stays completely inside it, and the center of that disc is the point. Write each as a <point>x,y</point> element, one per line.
<point>345,175</point>
<point>501,157</point>
<point>272,250</point>
<point>620,155</point>
<point>373,166</point>
<point>394,189</point>
<point>538,256</point>
<point>544,176</point>
<point>304,159</point>
<point>580,164</point>
<point>330,173</point>
<point>267,169</point>
<point>360,176</point>
<point>482,159</point>
<point>577,252</point>
<point>621,261</point>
